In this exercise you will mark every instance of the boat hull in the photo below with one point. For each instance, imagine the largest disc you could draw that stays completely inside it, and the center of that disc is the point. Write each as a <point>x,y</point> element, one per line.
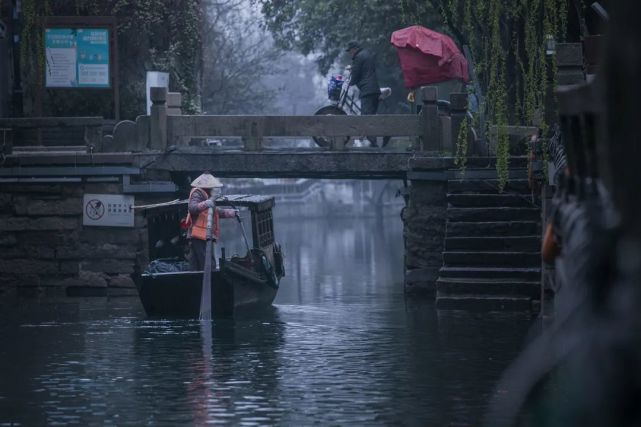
<point>177,294</point>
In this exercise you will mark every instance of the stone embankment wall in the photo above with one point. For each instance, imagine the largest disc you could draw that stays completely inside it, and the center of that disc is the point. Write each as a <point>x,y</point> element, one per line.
<point>46,251</point>
<point>424,233</point>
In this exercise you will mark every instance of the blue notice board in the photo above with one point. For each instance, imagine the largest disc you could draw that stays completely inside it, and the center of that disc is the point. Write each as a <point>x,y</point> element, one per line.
<point>77,57</point>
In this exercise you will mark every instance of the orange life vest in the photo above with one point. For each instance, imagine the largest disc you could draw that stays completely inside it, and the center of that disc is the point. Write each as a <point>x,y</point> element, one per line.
<point>199,226</point>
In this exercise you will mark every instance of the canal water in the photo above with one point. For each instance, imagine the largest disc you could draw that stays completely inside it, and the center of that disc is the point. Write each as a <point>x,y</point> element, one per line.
<point>342,346</point>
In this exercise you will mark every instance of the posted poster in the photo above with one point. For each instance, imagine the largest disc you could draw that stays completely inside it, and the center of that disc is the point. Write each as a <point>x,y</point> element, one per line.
<point>60,51</point>
<point>77,57</point>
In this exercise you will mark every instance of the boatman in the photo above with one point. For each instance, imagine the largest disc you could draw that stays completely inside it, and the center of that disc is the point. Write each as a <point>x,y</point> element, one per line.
<point>205,190</point>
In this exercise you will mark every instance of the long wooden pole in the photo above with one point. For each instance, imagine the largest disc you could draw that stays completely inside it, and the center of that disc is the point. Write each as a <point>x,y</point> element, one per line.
<point>205,295</point>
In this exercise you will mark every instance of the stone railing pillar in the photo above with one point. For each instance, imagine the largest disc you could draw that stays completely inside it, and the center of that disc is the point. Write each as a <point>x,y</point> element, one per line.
<point>253,140</point>
<point>430,122</point>
<point>174,103</point>
<point>158,120</point>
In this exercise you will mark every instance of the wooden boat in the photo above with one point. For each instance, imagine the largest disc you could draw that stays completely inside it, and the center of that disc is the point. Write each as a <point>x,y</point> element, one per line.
<point>168,289</point>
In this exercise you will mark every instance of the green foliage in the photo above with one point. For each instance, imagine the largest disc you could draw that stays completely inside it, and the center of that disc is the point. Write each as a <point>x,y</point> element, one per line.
<point>324,28</point>
<point>507,39</point>
<point>460,158</point>
<point>238,57</point>
<point>159,35</point>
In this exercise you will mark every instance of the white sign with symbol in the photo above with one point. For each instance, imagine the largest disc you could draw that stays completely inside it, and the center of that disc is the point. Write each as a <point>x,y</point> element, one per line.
<point>108,210</point>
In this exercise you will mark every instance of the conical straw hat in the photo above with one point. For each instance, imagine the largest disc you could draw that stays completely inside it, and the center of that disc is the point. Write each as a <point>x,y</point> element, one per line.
<point>207,180</point>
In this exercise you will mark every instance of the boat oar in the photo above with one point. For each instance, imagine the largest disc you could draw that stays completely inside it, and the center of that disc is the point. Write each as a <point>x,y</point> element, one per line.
<point>205,295</point>
<point>242,229</point>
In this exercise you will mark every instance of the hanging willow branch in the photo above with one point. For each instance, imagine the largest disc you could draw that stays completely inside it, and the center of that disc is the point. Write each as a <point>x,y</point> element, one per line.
<point>507,39</point>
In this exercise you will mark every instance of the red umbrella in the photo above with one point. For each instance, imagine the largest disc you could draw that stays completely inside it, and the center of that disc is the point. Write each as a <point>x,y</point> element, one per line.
<point>428,57</point>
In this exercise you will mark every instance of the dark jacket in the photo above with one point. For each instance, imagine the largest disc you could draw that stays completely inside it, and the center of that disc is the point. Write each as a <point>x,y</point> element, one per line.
<point>364,73</point>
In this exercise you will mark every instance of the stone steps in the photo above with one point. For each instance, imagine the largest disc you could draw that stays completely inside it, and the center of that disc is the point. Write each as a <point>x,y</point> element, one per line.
<point>500,243</point>
<point>488,287</point>
<point>493,214</point>
<point>487,186</point>
<point>492,255</point>
<point>477,200</point>
<point>492,228</point>
<point>484,303</point>
<point>515,162</point>
<point>492,259</point>
<point>499,273</point>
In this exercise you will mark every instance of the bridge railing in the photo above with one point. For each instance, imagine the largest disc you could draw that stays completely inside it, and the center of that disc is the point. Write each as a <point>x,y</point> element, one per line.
<point>67,133</point>
<point>162,130</point>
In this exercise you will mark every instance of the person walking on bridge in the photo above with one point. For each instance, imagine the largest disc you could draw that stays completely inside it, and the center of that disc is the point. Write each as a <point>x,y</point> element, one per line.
<point>364,77</point>
<point>202,197</point>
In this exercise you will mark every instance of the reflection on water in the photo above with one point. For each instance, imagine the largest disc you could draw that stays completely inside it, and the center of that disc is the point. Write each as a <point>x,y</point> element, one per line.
<point>341,346</point>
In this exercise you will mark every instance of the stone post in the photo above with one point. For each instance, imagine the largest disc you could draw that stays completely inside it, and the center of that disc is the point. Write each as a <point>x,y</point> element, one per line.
<point>430,122</point>
<point>174,103</point>
<point>458,112</point>
<point>253,141</point>
<point>158,124</point>
<point>93,138</point>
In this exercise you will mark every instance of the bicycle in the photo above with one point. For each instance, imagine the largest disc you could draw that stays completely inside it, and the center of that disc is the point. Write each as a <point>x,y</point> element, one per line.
<point>342,103</point>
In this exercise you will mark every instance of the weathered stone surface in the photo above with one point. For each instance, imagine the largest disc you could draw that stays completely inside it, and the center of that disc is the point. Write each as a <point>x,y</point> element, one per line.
<point>492,229</point>
<point>122,292</point>
<point>28,266</point>
<point>83,279</point>
<point>31,188</point>
<point>43,223</point>
<point>424,231</point>
<point>17,280</point>
<point>29,206</point>
<point>7,240</point>
<point>417,258</point>
<point>125,135</point>
<point>6,204</point>
<point>428,194</point>
<point>121,281</point>
<point>47,238</point>
<point>95,251</point>
<point>85,291</point>
<point>110,266</point>
<point>102,188</point>
<point>69,267</point>
<point>30,252</point>
<point>7,292</point>
<point>317,164</point>
<point>113,236</point>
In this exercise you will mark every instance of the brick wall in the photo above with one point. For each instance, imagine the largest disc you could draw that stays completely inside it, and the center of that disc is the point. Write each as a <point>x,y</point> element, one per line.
<point>46,251</point>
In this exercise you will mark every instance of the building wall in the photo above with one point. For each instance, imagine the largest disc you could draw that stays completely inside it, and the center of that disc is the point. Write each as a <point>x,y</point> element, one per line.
<point>46,251</point>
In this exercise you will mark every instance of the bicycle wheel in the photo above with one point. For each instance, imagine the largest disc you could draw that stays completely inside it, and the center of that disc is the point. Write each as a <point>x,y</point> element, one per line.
<point>328,110</point>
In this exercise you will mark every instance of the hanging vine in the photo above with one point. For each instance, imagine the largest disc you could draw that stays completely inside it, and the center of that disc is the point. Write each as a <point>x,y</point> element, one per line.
<point>32,49</point>
<point>460,158</point>
<point>507,39</point>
